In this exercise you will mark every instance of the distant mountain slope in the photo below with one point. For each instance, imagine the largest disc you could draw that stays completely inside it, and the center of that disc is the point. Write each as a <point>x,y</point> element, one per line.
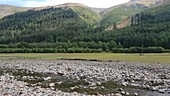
<point>162,8</point>
<point>78,24</point>
<point>148,28</point>
<point>99,10</point>
<point>118,13</point>
<point>40,24</point>
<point>8,10</point>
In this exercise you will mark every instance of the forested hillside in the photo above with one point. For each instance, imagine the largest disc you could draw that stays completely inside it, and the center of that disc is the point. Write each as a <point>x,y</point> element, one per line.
<point>117,14</point>
<point>50,25</point>
<point>76,28</point>
<point>149,28</point>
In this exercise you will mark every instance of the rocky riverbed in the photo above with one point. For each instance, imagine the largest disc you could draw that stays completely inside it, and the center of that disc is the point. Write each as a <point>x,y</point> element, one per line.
<point>33,77</point>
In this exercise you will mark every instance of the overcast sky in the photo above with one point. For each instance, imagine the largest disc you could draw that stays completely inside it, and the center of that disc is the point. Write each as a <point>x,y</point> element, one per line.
<point>39,3</point>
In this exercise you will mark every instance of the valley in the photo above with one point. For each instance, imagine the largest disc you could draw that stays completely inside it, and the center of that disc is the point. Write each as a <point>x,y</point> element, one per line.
<point>75,50</point>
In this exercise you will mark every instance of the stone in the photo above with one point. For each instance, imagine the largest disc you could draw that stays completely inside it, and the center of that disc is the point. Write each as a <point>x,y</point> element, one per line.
<point>51,84</point>
<point>123,92</point>
<point>127,93</point>
<point>117,94</point>
<point>96,93</point>
<point>47,78</point>
<point>120,89</point>
<point>98,83</point>
<point>92,84</point>
<point>59,83</point>
<point>161,90</point>
<point>136,94</point>
<point>52,88</point>
<point>124,83</point>
<point>154,88</point>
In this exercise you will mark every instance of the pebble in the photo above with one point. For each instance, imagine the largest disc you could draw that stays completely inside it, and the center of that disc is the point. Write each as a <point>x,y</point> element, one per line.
<point>123,92</point>
<point>117,94</point>
<point>136,94</point>
<point>47,78</point>
<point>127,93</point>
<point>59,83</point>
<point>51,84</point>
<point>134,74</point>
<point>161,90</point>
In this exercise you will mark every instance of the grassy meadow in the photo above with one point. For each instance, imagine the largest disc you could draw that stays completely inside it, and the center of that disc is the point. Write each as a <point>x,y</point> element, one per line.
<point>163,58</point>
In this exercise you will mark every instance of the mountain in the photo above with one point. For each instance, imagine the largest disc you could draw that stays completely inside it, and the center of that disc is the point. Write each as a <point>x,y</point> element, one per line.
<point>8,10</point>
<point>151,27</point>
<point>76,25</point>
<point>41,24</point>
<point>99,10</point>
<point>121,12</point>
<point>158,8</point>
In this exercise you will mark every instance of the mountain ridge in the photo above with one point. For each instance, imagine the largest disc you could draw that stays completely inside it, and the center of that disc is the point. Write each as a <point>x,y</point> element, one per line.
<point>9,10</point>
<point>81,26</point>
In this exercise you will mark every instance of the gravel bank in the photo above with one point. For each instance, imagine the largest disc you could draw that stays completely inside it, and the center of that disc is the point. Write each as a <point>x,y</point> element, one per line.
<point>152,77</point>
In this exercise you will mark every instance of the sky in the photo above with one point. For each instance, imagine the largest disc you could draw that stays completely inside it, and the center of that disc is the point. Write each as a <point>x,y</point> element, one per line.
<point>40,3</point>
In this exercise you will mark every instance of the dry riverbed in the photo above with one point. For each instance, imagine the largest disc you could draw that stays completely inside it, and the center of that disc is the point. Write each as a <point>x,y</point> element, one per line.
<point>36,77</point>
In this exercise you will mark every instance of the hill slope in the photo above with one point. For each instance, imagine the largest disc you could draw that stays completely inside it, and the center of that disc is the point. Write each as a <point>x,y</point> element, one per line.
<point>149,28</point>
<point>41,24</point>
<point>76,24</point>
<point>8,10</point>
<point>118,13</point>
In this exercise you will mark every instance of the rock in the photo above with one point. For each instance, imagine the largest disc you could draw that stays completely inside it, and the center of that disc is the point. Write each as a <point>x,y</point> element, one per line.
<point>123,92</point>
<point>98,83</point>
<point>59,83</point>
<point>136,94</point>
<point>51,84</point>
<point>103,87</point>
<point>154,88</point>
<point>93,88</point>
<point>92,84</point>
<point>60,73</point>
<point>75,94</point>
<point>68,69</point>
<point>132,81</point>
<point>47,78</point>
<point>75,87</point>
<point>124,83</point>
<point>117,94</point>
<point>52,88</point>
<point>162,90</point>
<point>2,78</point>
<point>169,92</point>
<point>120,89</point>
<point>147,87</point>
<point>24,77</point>
<point>96,93</point>
<point>97,72</point>
<point>127,94</point>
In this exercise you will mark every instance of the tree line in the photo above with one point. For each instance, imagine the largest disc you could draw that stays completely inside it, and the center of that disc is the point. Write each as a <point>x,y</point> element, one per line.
<point>58,30</point>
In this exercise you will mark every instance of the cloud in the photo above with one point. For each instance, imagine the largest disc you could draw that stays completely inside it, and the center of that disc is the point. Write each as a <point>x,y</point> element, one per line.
<point>90,3</point>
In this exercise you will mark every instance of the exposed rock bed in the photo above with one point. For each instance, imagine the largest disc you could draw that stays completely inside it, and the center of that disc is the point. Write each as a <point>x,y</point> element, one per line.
<point>152,77</point>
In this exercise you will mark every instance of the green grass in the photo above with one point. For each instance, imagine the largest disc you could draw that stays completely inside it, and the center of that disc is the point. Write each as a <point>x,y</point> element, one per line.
<point>164,8</point>
<point>163,58</point>
<point>87,15</point>
<point>119,13</point>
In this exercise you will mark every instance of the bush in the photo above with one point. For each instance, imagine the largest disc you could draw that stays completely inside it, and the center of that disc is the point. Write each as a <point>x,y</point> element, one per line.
<point>79,50</point>
<point>61,50</point>
<point>154,50</point>
<point>71,50</point>
<point>139,50</point>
